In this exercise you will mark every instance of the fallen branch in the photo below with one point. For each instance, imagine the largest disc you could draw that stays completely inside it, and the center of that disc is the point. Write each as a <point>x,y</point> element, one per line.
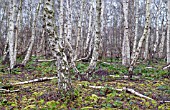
<point>34,80</point>
<point>124,77</point>
<point>101,87</point>
<point>164,101</point>
<point>8,91</point>
<point>45,60</point>
<point>136,93</point>
<point>132,91</point>
<point>27,82</point>
<point>166,67</point>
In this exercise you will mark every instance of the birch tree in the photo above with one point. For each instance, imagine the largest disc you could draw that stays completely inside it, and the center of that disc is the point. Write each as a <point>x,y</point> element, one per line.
<point>125,45</point>
<point>136,27</point>
<point>168,34</point>
<point>79,35</point>
<point>35,16</point>
<point>157,27</point>
<point>89,30</point>
<point>56,45</point>
<point>97,38</point>
<point>12,21</point>
<point>162,42</point>
<point>136,56</point>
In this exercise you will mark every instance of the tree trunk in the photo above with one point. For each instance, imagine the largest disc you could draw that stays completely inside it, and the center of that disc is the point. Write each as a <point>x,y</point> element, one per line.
<point>136,27</point>
<point>89,29</point>
<point>11,32</point>
<point>168,34</point>
<point>97,38</point>
<point>126,43</point>
<point>157,27</point>
<point>56,45</point>
<point>79,36</point>
<point>28,54</point>
<point>147,46</point>
<point>135,58</point>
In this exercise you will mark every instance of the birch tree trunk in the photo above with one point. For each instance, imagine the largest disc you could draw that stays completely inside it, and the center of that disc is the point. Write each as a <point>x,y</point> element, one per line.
<point>18,27</point>
<point>136,27</point>
<point>157,28</point>
<point>147,45</point>
<point>35,16</point>
<point>56,45</point>
<point>162,43</point>
<point>135,58</point>
<point>89,30</point>
<point>79,36</point>
<point>168,34</point>
<point>126,45</point>
<point>97,38</point>
<point>11,32</point>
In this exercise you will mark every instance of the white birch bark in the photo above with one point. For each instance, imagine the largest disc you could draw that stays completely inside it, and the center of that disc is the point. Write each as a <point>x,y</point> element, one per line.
<point>146,52</point>
<point>136,27</point>
<point>56,45</point>
<point>89,30</point>
<point>162,43</point>
<point>28,54</point>
<point>18,27</point>
<point>133,62</point>
<point>97,38</point>
<point>168,34</point>
<point>11,32</point>
<point>79,36</point>
<point>157,27</point>
<point>125,45</point>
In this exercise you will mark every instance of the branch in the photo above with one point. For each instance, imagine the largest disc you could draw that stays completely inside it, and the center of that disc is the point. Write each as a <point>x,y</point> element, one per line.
<point>45,60</point>
<point>8,91</point>
<point>166,67</point>
<point>34,80</point>
<point>27,82</point>
<point>132,91</point>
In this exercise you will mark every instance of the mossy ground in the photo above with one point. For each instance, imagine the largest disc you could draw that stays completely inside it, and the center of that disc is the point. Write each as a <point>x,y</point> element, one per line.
<point>154,83</point>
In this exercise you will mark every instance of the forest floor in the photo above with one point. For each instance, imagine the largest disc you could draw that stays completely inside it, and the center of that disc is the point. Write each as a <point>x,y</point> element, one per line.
<point>151,81</point>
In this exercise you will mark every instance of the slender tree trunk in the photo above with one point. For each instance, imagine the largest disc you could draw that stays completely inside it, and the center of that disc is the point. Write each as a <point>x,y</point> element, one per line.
<point>18,27</point>
<point>146,52</point>
<point>135,58</point>
<point>11,32</point>
<point>28,54</point>
<point>89,29</point>
<point>56,45</point>
<point>162,43</point>
<point>97,38</point>
<point>157,28</point>
<point>126,43</point>
<point>168,34</point>
<point>79,36</point>
<point>136,27</point>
